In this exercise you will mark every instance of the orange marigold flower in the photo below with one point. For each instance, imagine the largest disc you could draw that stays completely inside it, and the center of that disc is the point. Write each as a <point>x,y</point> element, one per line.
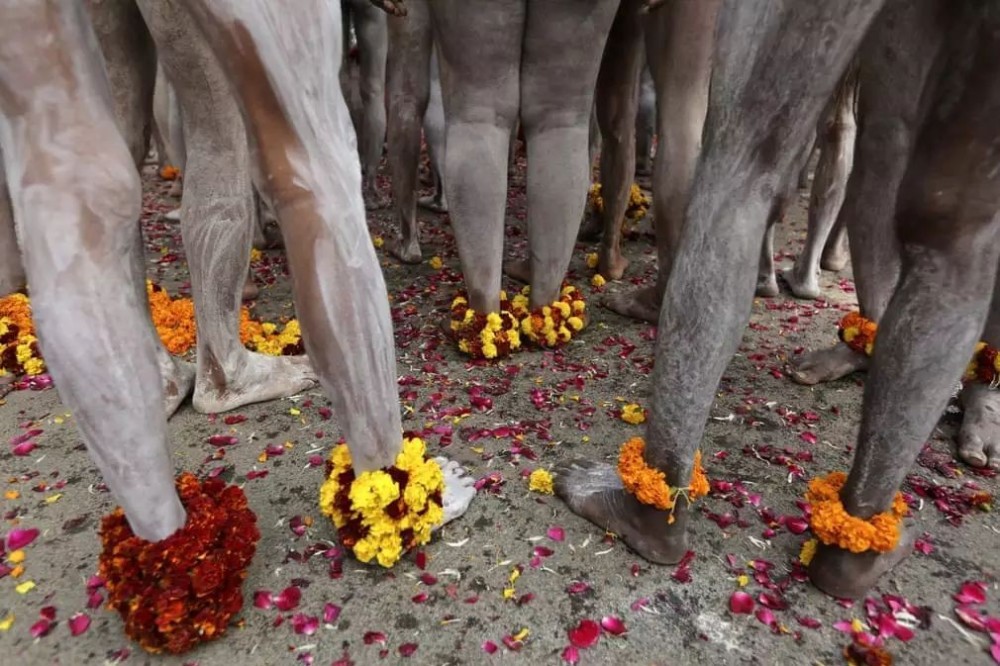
<point>649,485</point>
<point>832,525</point>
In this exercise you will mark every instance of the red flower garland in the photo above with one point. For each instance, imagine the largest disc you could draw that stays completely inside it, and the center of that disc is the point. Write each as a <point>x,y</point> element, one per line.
<point>984,366</point>
<point>183,590</point>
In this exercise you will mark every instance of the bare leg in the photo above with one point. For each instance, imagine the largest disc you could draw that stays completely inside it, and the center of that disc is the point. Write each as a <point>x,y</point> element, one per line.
<point>480,104</point>
<point>979,439</point>
<point>130,60</point>
<point>645,123</point>
<point>434,133</point>
<point>11,269</point>
<point>373,45</point>
<point>558,75</point>
<point>679,42</point>
<point>78,227</point>
<point>767,280</point>
<point>617,97</point>
<point>767,92</point>
<point>895,59</point>
<point>836,252</point>
<point>836,137</point>
<point>217,221</point>
<point>803,181</point>
<point>947,225</point>
<point>408,81</point>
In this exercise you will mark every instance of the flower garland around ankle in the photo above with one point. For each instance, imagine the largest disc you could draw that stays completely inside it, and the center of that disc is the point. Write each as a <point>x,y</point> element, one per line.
<point>638,202</point>
<point>833,526</point>
<point>19,353</point>
<point>183,590</point>
<point>552,325</point>
<point>485,335</point>
<point>985,365</point>
<point>649,485</point>
<point>858,332</point>
<point>384,513</point>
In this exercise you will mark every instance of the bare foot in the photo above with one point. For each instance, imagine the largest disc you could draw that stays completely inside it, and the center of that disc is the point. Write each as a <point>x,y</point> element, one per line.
<point>257,378</point>
<point>250,290</point>
<point>459,490</point>
<point>802,287</point>
<point>835,255</point>
<point>594,491</point>
<point>407,251</point>
<point>979,439</point>
<point>173,215</point>
<point>178,381</point>
<point>435,203</point>
<point>846,575</point>
<point>826,365</point>
<point>611,263</point>
<point>767,285</point>
<point>642,303</point>
<point>518,269</point>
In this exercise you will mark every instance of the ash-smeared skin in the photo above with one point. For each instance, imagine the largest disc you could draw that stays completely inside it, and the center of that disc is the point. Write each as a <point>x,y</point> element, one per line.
<point>617,102</point>
<point>217,218</point>
<point>459,490</point>
<point>373,45</point>
<point>12,276</point>
<point>434,133</point>
<point>409,89</point>
<point>679,40</point>
<point>167,123</point>
<point>835,136</point>
<point>645,123</point>
<point>772,76</point>
<point>537,61</point>
<point>79,227</point>
<point>895,60</point>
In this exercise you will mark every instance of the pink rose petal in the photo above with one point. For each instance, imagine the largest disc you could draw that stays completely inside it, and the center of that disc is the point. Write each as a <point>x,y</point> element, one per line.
<point>305,625</point>
<point>40,628</point>
<point>571,655</point>
<point>995,652</point>
<point>577,587</point>
<point>972,592</point>
<point>24,448</point>
<point>740,603</point>
<point>263,599</point>
<point>556,534</point>
<point>613,625</point>
<point>330,613</point>
<point>765,616</point>
<point>407,649</point>
<point>371,637</point>
<point>95,599</point>
<point>810,622</point>
<point>288,599</point>
<point>79,623</point>
<point>489,647</point>
<point>796,524</point>
<point>585,635</point>
<point>18,538</point>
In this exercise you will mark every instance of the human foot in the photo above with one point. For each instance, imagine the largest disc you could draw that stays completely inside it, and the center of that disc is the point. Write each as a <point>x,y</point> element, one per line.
<point>611,263</point>
<point>256,378</point>
<point>979,439</point>
<point>802,287</point>
<point>642,303</point>
<point>435,203</point>
<point>827,365</point>
<point>835,255</point>
<point>594,491</point>
<point>518,269</point>
<point>407,251</point>
<point>177,377</point>
<point>459,490</point>
<point>767,285</point>
<point>846,575</point>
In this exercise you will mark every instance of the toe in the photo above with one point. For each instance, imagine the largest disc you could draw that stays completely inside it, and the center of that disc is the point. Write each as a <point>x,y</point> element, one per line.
<point>971,450</point>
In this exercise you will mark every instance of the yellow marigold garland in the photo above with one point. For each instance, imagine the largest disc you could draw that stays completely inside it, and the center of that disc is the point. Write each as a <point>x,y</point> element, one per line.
<point>649,485</point>
<point>384,513</point>
<point>485,335</point>
<point>19,353</point>
<point>638,202</point>
<point>552,325</point>
<point>858,332</point>
<point>833,526</point>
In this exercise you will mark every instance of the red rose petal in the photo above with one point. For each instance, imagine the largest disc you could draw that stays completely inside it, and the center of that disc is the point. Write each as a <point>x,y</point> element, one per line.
<point>40,628</point>
<point>556,534</point>
<point>490,647</point>
<point>765,616</point>
<point>263,599</point>
<point>305,625</point>
<point>18,538</point>
<point>740,603</point>
<point>585,635</point>
<point>972,592</point>
<point>613,625</point>
<point>407,649</point>
<point>79,623</point>
<point>371,637</point>
<point>288,599</point>
<point>571,655</point>
<point>330,613</point>
<point>23,449</point>
<point>796,524</point>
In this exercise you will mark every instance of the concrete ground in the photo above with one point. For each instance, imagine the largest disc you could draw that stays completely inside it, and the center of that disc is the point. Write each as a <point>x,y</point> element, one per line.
<point>765,438</point>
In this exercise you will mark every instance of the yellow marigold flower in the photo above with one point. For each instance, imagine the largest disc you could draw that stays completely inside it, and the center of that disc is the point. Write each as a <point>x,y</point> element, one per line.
<point>563,308</point>
<point>463,346</point>
<point>378,242</point>
<point>436,263</point>
<point>634,414</point>
<point>808,551</point>
<point>490,350</point>
<point>255,254</point>
<point>575,323</point>
<point>598,280</point>
<point>415,496</point>
<point>374,490</point>
<point>592,260</point>
<point>540,481</point>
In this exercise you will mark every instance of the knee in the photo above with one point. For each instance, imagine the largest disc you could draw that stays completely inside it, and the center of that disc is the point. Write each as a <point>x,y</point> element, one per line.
<point>542,116</point>
<point>890,140</point>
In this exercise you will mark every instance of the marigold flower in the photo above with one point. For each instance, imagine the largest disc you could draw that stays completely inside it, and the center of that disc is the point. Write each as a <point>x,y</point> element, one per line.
<point>551,325</point>
<point>648,485</point>
<point>490,335</point>
<point>436,263</point>
<point>832,525</point>
<point>633,413</point>
<point>592,260</point>
<point>598,280</point>
<point>540,481</point>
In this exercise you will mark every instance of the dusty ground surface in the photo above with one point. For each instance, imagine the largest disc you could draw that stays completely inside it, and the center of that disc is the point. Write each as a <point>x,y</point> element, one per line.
<point>766,437</point>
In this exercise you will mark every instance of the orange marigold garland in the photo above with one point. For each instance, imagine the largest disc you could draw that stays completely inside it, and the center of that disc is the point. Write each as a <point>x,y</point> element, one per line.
<point>183,590</point>
<point>832,525</point>
<point>985,365</point>
<point>552,325</point>
<point>649,485</point>
<point>485,335</point>
<point>858,332</point>
<point>19,354</point>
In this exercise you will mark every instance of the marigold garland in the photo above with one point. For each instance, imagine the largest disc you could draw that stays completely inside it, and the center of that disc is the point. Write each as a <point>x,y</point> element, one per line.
<point>384,513</point>
<point>638,202</point>
<point>649,485</point>
<point>485,335</point>
<point>985,365</point>
<point>19,354</point>
<point>170,172</point>
<point>552,325</point>
<point>832,525</point>
<point>858,332</point>
<point>183,590</point>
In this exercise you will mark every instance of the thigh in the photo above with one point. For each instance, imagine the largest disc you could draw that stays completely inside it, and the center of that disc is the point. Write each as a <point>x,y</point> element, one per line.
<point>563,44</point>
<point>479,46</point>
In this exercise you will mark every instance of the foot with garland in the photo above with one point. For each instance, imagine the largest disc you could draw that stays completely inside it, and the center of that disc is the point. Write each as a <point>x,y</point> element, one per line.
<point>857,340</point>
<point>979,438</point>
